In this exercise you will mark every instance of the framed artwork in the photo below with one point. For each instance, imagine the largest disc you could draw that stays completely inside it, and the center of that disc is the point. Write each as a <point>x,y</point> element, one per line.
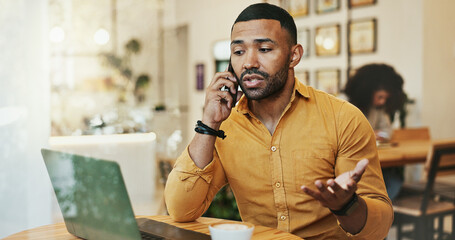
<point>325,6</point>
<point>327,40</point>
<point>303,37</point>
<point>274,2</point>
<point>350,72</point>
<point>303,76</point>
<point>362,36</point>
<point>297,8</point>
<point>328,80</point>
<point>359,3</point>
<point>200,76</point>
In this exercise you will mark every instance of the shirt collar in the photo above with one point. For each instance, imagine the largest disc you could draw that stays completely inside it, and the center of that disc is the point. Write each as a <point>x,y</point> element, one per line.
<point>300,88</point>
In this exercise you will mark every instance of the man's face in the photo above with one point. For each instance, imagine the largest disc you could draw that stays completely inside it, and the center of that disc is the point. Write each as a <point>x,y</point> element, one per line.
<point>260,57</point>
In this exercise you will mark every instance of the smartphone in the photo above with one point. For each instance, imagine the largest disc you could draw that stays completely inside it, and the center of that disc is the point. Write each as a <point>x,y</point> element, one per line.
<point>231,70</point>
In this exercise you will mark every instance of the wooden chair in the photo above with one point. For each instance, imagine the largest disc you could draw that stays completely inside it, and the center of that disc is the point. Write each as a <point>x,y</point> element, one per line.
<point>421,208</point>
<point>165,167</point>
<point>407,134</point>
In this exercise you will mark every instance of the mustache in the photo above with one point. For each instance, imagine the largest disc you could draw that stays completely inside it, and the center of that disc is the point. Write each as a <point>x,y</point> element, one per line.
<point>254,71</point>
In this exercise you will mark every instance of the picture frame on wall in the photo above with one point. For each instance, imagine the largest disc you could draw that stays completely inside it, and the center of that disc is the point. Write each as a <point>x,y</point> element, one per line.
<point>200,76</point>
<point>327,40</point>
<point>326,6</point>
<point>362,36</point>
<point>303,37</point>
<point>274,2</point>
<point>297,8</point>
<point>328,80</point>
<point>303,76</point>
<point>360,3</point>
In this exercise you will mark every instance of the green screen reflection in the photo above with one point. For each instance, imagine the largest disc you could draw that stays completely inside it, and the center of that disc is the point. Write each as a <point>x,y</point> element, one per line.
<point>92,196</point>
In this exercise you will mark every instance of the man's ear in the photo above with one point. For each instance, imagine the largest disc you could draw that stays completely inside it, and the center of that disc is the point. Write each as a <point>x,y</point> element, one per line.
<point>296,55</point>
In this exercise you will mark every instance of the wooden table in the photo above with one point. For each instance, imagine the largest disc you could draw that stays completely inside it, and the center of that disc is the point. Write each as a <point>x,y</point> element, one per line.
<point>58,231</point>
<point>404,152</point>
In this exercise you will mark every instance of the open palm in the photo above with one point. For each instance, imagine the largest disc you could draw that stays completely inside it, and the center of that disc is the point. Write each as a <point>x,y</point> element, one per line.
<point>335,193</point>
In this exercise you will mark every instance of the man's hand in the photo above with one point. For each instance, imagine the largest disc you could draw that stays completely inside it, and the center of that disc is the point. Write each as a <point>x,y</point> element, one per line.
<point>218,104</point>
<point>335,193</point>
<point>217,108</point>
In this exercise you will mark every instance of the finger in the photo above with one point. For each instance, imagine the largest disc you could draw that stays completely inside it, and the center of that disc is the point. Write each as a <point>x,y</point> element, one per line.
<point>225,96</point>
<point>359,170</point>
<point>233,88</point>
<point>315,194</point>
<point>221,94</point>
<point>334,186</point>
<point>220,83</point>
<point>326,193</point>
<point>222,75</point>
<point>351,185</point>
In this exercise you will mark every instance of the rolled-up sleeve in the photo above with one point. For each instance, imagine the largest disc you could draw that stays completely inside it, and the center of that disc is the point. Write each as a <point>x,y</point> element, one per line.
<point>189,190</point>
<point>356,142</point>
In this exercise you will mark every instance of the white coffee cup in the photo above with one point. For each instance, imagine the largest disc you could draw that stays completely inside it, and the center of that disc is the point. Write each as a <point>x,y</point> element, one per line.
<point>231,230</point>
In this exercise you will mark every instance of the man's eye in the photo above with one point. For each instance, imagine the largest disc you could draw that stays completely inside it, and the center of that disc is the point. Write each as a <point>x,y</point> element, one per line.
<point>264,50</point>
<point>238,52</point>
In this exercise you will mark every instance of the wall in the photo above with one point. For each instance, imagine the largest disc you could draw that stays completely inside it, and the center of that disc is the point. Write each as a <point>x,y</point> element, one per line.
<point>439,68</point>
<point>25,193</point>
<point>400,30</point>
<point>208,21</point>
<point>402,51</point>
<point>400,45</point>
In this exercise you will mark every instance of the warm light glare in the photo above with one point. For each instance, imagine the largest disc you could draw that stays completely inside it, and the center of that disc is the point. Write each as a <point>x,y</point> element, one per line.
<point>56,35</point>
<point>101,36</point>
<point>328,43</point>
<point>319,40</point>
<point>222,50</point>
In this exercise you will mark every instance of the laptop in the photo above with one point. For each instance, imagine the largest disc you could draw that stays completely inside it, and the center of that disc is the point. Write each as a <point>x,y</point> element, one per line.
<point>95,204</point>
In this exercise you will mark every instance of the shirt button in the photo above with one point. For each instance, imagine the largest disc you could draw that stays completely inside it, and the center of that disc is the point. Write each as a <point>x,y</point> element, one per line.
<point>273,148</point>
<point>277,184</point>
<point>283,218</point>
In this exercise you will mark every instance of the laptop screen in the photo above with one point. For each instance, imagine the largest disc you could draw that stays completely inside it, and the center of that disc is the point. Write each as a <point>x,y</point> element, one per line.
<point>92,196</point>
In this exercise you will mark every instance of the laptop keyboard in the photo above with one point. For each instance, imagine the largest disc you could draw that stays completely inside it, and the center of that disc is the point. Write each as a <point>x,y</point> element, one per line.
<point>161,230</point>
<point>149,236</point>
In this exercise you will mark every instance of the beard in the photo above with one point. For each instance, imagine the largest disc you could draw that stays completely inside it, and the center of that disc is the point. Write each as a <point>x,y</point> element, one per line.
<point>274,83</point>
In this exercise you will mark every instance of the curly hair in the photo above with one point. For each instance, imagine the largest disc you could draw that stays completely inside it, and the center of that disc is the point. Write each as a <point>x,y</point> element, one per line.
<point>370,78</point>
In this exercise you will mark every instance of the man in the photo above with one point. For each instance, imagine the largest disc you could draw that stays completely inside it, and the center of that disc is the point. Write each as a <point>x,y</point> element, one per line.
<point>292,155</point>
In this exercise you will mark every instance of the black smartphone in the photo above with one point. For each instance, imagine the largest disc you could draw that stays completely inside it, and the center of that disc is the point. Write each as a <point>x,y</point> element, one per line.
<point>231,70</point>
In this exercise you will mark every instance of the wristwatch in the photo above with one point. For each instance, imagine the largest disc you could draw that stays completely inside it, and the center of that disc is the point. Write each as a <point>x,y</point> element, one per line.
<point>348,208</point>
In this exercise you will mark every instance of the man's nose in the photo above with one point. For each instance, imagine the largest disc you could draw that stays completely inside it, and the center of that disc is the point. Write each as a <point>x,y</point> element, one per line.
<point>251,60</point>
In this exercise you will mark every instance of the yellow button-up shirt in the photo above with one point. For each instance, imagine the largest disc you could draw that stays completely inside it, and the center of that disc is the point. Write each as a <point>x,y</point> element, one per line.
<point>318,137</point>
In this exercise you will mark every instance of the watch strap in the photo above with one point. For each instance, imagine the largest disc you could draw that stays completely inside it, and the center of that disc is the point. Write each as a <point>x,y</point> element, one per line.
<point>348,208</point>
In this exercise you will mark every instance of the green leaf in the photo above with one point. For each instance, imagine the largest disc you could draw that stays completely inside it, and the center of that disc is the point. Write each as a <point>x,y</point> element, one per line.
<point>142,81</point>
<point>133,46</point>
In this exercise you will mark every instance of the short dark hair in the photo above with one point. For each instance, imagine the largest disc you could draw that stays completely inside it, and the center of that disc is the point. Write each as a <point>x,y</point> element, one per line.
<point>269,11</point>
<point>370,78</point>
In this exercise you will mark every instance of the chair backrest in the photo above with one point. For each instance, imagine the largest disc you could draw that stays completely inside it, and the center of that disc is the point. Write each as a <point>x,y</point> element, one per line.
<point>405,134</point>
<point>441,160</point>
<point>165,166</point>
<point>135,153</point>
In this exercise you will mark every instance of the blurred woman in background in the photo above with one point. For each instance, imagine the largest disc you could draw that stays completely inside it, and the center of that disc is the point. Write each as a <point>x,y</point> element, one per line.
<point>377,90</point>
